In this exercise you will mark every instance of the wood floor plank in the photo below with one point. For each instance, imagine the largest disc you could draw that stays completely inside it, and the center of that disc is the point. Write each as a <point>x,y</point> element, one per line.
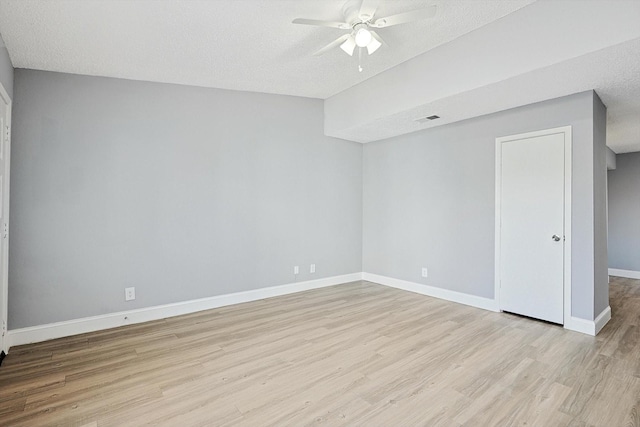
<point>358,354</point>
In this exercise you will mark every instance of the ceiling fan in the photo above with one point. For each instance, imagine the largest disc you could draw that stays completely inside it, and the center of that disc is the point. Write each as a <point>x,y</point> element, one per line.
<point>361,24</point>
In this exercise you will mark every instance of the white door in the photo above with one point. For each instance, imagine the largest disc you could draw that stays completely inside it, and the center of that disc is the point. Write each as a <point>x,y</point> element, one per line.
<point>532,202</point>
<point>5,123</point>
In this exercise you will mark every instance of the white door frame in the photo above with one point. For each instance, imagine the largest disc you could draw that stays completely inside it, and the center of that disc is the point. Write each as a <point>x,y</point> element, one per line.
<point>566,130</point>
<point>4,342</point>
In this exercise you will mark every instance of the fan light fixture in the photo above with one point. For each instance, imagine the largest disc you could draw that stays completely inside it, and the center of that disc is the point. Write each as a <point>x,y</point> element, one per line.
<point>359,19</point>
<point>349,46</point>
<point>373,46</point>
<point>363,37</point>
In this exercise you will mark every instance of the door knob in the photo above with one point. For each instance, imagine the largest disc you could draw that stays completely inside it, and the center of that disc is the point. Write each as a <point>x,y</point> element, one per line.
<point>556,237</point>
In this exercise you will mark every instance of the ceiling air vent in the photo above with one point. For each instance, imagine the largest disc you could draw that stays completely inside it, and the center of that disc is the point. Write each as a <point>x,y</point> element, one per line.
<point>427,119</point>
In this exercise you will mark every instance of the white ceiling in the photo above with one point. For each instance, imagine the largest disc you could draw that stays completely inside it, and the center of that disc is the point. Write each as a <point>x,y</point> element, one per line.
<point>232,44</point>
<point>614,74</point>
<point>537,62</point>
<point>251,45</point>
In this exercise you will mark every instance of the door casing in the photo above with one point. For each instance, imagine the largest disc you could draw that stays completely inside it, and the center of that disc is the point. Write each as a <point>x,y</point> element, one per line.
<point>4,280</point>
<point>566,130</point>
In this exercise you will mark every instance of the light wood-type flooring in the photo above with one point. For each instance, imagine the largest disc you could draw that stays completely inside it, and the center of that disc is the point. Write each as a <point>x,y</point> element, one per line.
<point>358,354</point>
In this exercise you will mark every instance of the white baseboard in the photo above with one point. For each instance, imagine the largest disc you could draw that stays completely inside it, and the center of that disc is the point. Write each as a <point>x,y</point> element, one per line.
<point>112,320</point>
<point>602,319</point>
<point>432,291</point>
<point>580,325</point>
<point>589,327</point>
<point>629,274</point>
<point>106,321</point>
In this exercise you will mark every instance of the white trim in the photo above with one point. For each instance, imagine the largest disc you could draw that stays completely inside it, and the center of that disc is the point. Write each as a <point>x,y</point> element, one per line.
<point>432,291</point>
<point>4,94</point>
<point>567,211</point>
<point>4,280</point>
<point>112,320</point>
<point>130,317</point>
<point>629,274</point>
<point>580,325</point>
<point>602,319</point>
<point>589,327</point>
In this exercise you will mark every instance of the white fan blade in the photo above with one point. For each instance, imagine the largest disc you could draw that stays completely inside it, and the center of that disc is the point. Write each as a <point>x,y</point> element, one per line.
<point>367,10</point>
<point>375,43</point>
<point>349,45</point>
<point>403,18</point>
<point>377,37</point>
<point>331,24</point>
<point>340,40</point>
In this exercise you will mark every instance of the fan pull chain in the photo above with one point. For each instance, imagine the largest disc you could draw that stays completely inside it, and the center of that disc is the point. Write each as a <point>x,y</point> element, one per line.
<point>360,60</point>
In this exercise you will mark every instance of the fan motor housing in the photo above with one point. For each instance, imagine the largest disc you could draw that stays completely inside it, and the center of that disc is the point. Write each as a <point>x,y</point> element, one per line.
<point>350,12</point>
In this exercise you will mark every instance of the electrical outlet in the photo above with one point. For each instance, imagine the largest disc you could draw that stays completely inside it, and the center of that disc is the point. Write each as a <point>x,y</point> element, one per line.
<point>129,294</point>
<point>424,272</point>
<point>296,269</point>
<point>312,269</point>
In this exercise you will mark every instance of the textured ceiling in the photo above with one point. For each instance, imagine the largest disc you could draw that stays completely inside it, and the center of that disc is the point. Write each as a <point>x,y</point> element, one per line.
<point>232,44</point>
<point>538,61</point>
<point>614,73</point>
<point>252,45</point>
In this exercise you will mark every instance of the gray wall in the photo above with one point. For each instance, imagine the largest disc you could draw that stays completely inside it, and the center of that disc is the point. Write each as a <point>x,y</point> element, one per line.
<point>187,192</point>
<point>429,200</point>
<point>601,272</point>
<point>182,192</point>
<point>6,69</point>
<point>624,213</point>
